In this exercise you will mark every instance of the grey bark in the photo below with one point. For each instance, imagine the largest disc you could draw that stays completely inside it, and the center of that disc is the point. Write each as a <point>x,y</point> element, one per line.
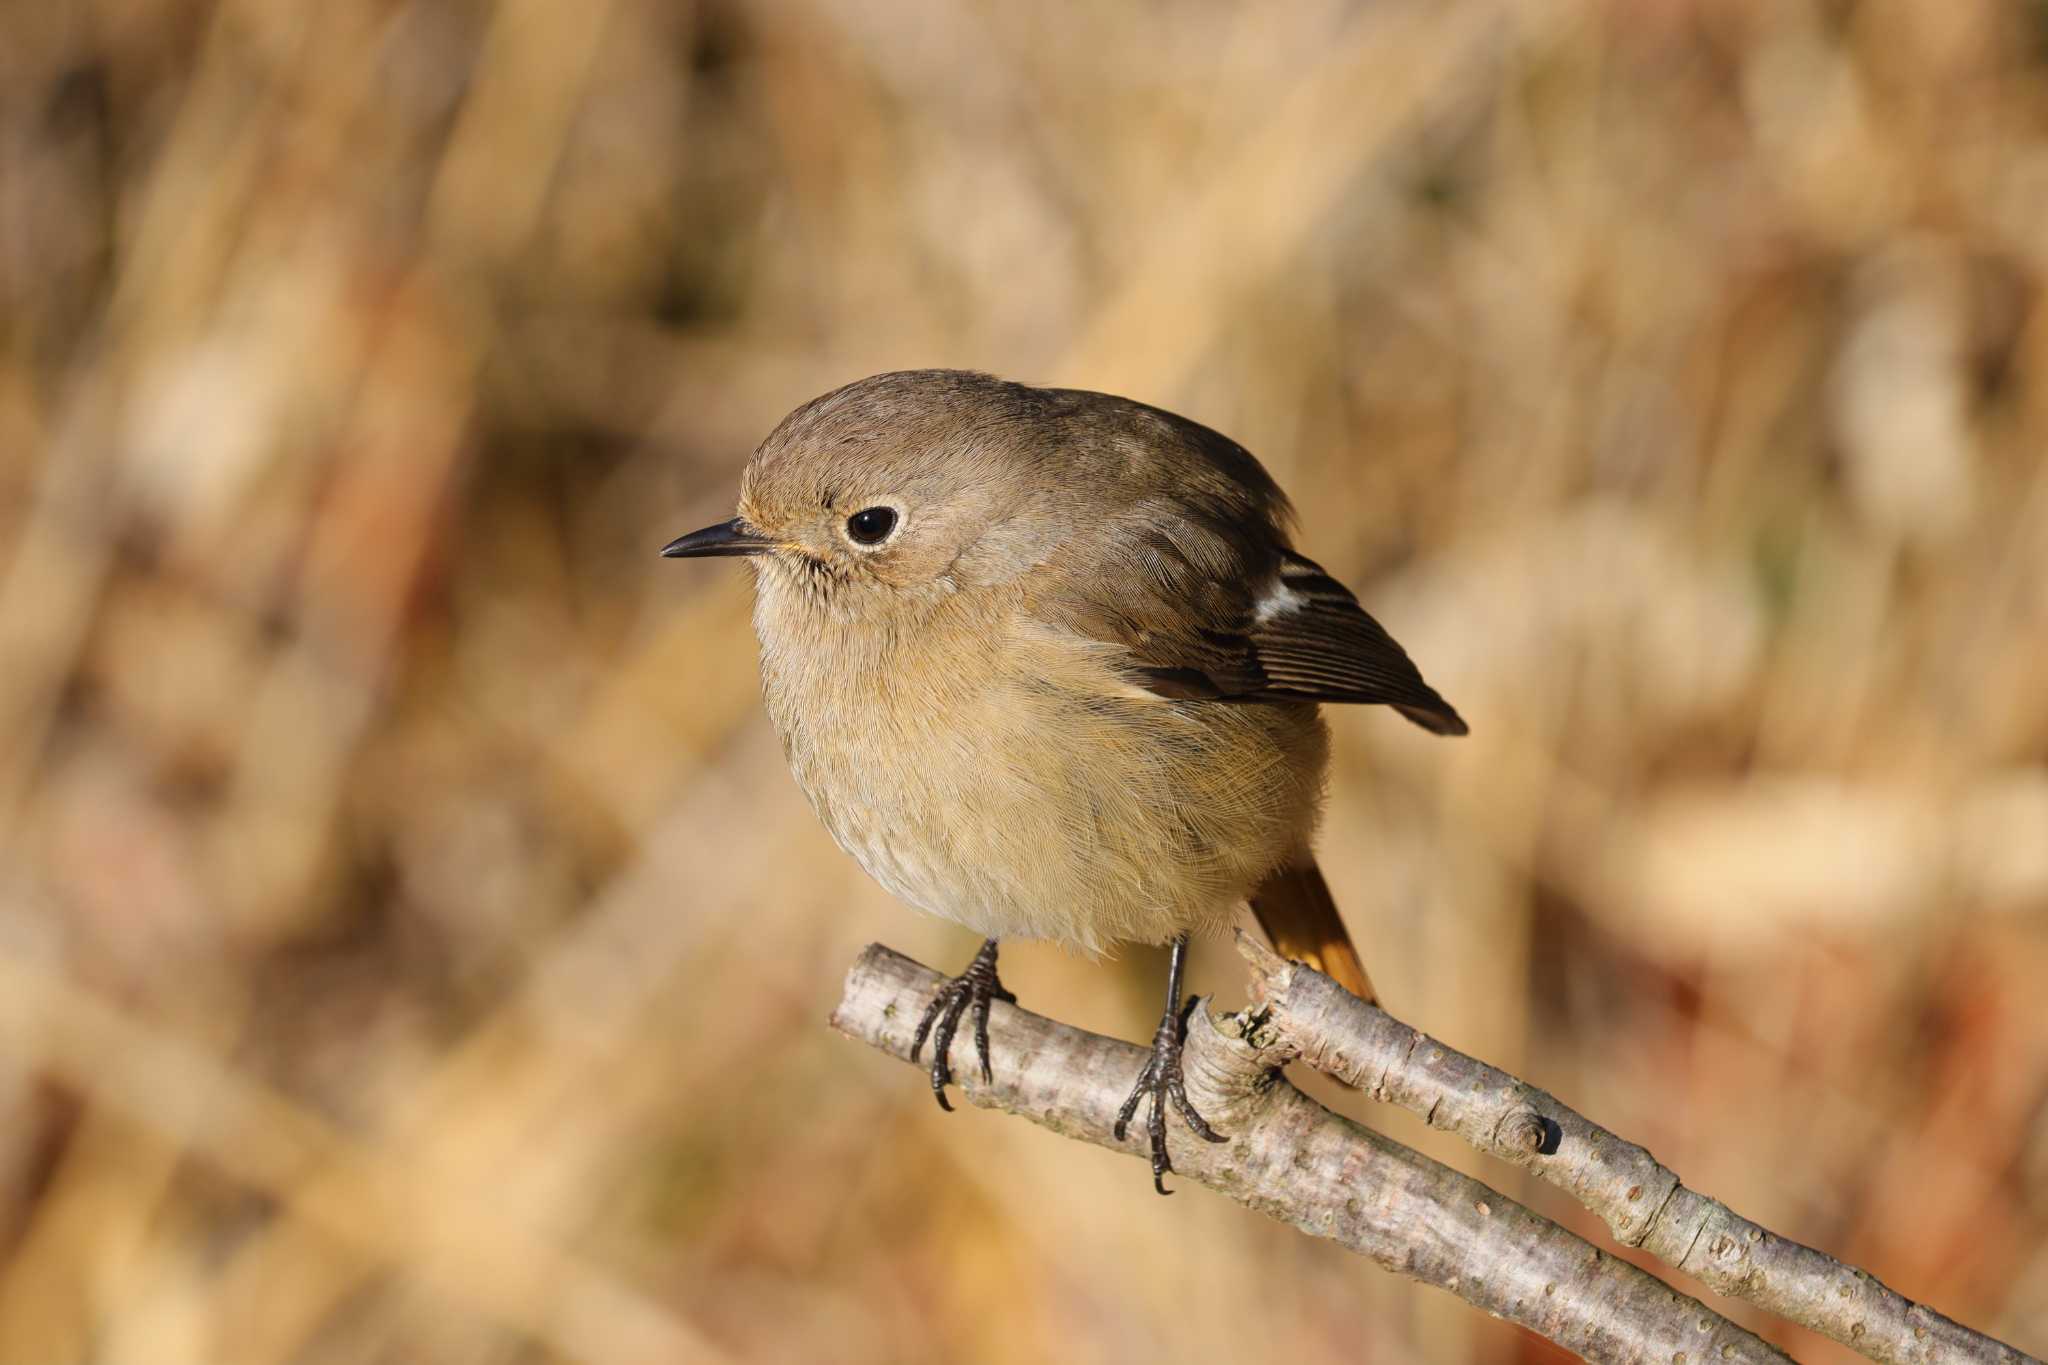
<point>1641,1201</point>
<point>1296,1161</point>
<point>1292,1159</point>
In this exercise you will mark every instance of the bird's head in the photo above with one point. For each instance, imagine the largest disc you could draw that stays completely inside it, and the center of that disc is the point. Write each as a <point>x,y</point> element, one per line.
<point>896,490</point>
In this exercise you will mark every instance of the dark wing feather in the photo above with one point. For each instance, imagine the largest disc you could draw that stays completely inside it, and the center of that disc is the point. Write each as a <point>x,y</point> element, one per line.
<point>1328,649</point>
<point>1187,607</point>
<point>1189,571</point>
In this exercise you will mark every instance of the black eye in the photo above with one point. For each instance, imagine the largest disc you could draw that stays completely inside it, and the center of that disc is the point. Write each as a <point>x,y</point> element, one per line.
<point>871,525</point>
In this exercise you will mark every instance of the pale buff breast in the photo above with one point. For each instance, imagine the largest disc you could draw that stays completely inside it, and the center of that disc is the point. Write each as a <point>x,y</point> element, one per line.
<point>1006,779</point>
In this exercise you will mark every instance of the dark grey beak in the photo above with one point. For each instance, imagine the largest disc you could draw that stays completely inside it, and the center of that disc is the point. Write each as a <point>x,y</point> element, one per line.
<point>726,538</point>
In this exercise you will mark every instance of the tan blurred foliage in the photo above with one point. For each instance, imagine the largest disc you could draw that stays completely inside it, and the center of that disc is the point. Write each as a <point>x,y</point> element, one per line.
<point>410,946</point>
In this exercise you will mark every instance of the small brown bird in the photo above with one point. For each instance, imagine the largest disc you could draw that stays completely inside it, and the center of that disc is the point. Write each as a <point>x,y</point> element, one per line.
<point>1047,664</point>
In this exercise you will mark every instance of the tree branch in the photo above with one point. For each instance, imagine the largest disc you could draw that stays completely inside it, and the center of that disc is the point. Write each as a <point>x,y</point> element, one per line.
<point>1641,1201</point>
<point>1294,1160</point>
<point>1298,1162</point>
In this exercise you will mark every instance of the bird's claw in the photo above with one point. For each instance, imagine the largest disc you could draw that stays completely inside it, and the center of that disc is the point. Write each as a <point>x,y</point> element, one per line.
<point>975,987</point>
<point>1162,1079</point>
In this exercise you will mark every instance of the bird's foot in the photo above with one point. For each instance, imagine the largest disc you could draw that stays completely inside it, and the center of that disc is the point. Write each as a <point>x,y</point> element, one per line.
<point>976,987</point>
<point>1163,1081</point>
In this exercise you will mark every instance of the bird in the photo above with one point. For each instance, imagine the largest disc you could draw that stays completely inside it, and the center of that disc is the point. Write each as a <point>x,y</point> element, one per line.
<point>1046,663</point>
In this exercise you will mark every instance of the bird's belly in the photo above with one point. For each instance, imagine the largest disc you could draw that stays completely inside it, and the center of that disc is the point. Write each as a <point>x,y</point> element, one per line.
<point>924,873</point>
<point>1028,816</point>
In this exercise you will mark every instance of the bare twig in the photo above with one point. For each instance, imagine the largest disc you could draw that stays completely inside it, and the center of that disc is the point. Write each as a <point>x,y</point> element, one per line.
<point>1640,1200</point>
<point>1294,1160</point>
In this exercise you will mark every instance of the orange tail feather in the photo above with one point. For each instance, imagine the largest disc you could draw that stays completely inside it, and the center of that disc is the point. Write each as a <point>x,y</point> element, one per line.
<point>1294,907</point>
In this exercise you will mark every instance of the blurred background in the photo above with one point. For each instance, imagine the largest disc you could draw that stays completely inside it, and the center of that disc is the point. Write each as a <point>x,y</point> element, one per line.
<point>412,948</point>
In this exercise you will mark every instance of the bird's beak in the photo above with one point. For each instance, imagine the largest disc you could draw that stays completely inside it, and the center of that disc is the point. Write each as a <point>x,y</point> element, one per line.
<point>726,538</point>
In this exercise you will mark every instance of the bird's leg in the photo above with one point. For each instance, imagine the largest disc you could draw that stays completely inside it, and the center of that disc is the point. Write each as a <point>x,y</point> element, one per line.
<point>976,986</point>
<point>1161,1078</point>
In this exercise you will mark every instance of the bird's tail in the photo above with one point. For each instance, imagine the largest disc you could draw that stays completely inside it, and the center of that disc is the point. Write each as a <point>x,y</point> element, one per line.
<point>1294,907</point>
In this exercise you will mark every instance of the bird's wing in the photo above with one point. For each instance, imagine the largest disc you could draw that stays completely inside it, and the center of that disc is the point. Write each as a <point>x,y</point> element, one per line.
<point>1208,607</point>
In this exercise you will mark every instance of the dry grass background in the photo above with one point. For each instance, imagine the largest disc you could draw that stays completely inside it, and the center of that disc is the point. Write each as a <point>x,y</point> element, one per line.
<point>411,948</point>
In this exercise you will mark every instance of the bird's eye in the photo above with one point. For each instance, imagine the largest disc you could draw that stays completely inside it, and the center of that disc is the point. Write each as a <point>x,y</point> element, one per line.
<point>871,525</point>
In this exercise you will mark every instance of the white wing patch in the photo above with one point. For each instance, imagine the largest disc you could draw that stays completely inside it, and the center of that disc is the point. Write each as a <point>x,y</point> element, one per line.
<point>1278,600</point>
